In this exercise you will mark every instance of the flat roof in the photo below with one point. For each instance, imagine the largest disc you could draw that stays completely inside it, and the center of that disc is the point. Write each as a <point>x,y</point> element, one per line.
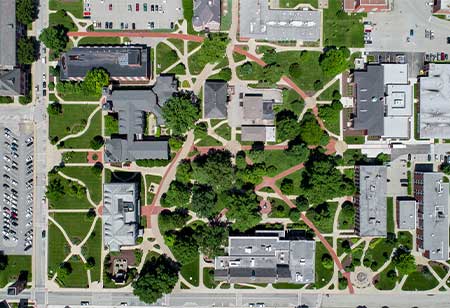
<point>407,214</point>
<point>258,133</point>
<point>396,127</point>
<point>8,33</point>
<point>372,201</point>
<point>395,73</point>
<point>265,23</point>
<point>399,99</point>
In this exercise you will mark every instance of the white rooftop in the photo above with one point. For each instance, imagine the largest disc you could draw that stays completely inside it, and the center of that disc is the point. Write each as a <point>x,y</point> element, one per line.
<point>395,73</point>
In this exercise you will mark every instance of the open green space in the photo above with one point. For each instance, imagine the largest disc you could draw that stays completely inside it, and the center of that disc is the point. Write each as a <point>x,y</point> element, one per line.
<point>16,266</point>
<point>225,19</point>
<point>343,245</point>
<point>73,6</point>
<point>69,199</point>
<point>155,179</point>
<point>179,44</point>
<point>188,13</point>
<point>324,271</point>
<point>390,215</point>
<point>242,286</point>
<point>165,57</point>
<point>61,18</point>
<point>287,285</point>
<point>330,93</point>
<point>322,216</point>
<point>84,141</point>
<point>404,238</point>
<point>200,132</point>
<point>93,248</point>
<point>72,120</point>
<point>237,57</point>
<point>421,280</point>
<point>224,131</point>
<point>111,124</point>
<point>291,101</point>
<point>387,279</point>
<point>224,74</point>
<point>379,252</point>
<point>190,271</point>
<point>439,268</point>
<point>278,160</point>
<point>58,248</point>
<point>279,208</point>
<point>353,259</point>
<point>78,278</point>
<point>296,178</point>
<point>76,225</point>
<point>208,278</point>
<point>99,41</point>
<point>89,177</point>
<point>294,3</point>
<point>178,69</point>
<point>354,139</point>
<point>340,28</point>
<point>331,116</point>
<point>74,157</point>
<point>346,218</point>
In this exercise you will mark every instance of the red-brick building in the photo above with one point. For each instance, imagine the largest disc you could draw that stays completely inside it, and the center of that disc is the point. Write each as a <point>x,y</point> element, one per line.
<point>358,6</point>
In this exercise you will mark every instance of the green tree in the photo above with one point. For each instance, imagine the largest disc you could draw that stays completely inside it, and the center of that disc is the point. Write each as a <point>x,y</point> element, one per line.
<point>445,168</point>
<point>203,201</point>
<point>240,160</point>
<point>26,50</point>
<point>97,169</point>
<point>3,262</point>
<point>327,261</point>
<point>287,125</point>
<point>310,131</point>
<point>90,263</point>
<point>26,11</point>
<point>214,169</point>
<point>184,171</point>
<point>180,114</point>
<point>55,189</point>
<point>334,61</point>
<point>302,203</point>
<point>97,142</point>
<point>185,247</point>
<point>213,49</point>
<point>211,239</point>
<point>55,37</point>
<point>168,220</point>
<point>404,261</point>
<point>177,195</point>
<point>54,108</point>
<point>299,150</point>
<point>294,214</point>
<point>243,208</point>
<point>64,270</point>
<point>96,79</point>
<point>158,276</point>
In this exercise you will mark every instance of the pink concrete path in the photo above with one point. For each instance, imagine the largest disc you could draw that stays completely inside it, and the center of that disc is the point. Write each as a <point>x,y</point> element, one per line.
<point>90,157</point>
<point>185,37</point>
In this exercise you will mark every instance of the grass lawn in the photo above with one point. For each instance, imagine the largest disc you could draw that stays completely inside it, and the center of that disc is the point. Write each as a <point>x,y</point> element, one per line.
<point>323,222</point>
<point>291,101</point>
<point>390,215</point>
<point>404,238</point>
<point>99,41</point>
<point>178,69</point>
<point>78,278</point>
<point>420,281</point>
<point>58,248</point>
<point>287,285</point>
<point>93,248</point>
<point>73,6</point>
<point>350,173</point>
<point>354,139</point>
<point>71,121</point>
<point>294,3</point>
<point>439,268</point>
<point>16,265</point>
<point>179,44</point>
<point>241,286</point>
<point>208,278</point>
<point>385,282</point>
<point>224,131</point>
<point>340,248</point>
<point>279,209</point>
<point>84,141</point>
<point>155,179</point>
<point>74,157</point>
<point>378,253</point>
<point>88,176</point>
<point>296,178</point>
<point>346,218</point>
<point>327,95</point>
<point>188,13</point>
<point>76,225</point>
<point>192,45</point>
<point>61,18</point>
<point>237,57</point>
<point>323,274</point>
<point>208,141</point>
<point>279,159</point>
<point>341,29</point>
<point>225,20</point>
<point>111,124</point>
<point>190,271</point>
<point>224,74</point>
<point>68,201</point>
<point>165,57</point>
<point>331,117</point>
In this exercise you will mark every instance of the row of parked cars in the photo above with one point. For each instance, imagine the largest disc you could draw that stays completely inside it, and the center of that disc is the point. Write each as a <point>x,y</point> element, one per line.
<point>436,56</point>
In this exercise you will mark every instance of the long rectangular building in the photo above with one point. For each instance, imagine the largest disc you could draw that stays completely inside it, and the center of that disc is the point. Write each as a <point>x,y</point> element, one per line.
<point>8,32</point>
<point>267,257</point>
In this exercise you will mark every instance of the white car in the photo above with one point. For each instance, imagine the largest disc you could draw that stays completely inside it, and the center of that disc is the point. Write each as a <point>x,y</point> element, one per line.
<point>29,158</point>
<point>29,223</point>
<point>43,77</point>
<point>7,168</point>
<point>6,158</point>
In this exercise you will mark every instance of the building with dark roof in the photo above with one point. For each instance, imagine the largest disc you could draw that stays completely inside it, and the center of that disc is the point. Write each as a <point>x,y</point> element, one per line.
<point>432,194</point>
<point>12,83</point>
<point>125,64</point>
<point>207,15</point>
<point>370,201</point>
<point>267,257</point>
<point>215,98</point>
<point>8,34</point>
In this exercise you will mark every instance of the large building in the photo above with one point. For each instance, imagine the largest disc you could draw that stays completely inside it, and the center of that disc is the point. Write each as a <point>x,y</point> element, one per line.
<point>8,34</point>
<point>207,15</point>
<point>123,15</point>
<point>12,82</point>
<point>434,119</point>
<point>431,194</point>
<point>267,257</point>
<point>258,21</point>
<point>121,215</point>
<point>125,64</point>
<point>359,6</point>
<point>132,107</point>
<point>370,201</point>
<point>383,99</point>
<point>441,7</point>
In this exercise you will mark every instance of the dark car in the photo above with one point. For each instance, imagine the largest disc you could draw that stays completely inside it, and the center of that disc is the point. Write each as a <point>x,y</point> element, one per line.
<point>44,92</point>
<point>448,40</point>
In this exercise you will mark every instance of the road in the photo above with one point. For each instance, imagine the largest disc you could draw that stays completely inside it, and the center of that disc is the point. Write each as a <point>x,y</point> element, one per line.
<point>39,261</point>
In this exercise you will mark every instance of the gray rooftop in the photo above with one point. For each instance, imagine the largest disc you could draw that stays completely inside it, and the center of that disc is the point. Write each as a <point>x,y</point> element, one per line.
<point>372,186</point>
<point>406,214</point>
<point>8,33</point>
<point>10,83</point>
<point>258,133</point>
<point>206,14</point>
<point>215,99</point>
<point>256,108</point>
<point>258,21</point>
<point>123,63</point>
<point>369,100</point>
<point>120,216</point>
<point>267,257</point>
<point>435,215</point>
<point>121,150</point>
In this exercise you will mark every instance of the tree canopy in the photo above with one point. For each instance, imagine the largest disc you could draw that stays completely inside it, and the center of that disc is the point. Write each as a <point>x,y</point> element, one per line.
<point>158,276</point>
<point>213,49</point>
<point>334,61</point>
<point>55,37</point>
<point>26,50</point>
<point>203,201</point>
<point>211,238</point>
<point>311,132</point>
<point>214,169</point>
<point>404,261</point>
<point>287,125</point>
<point>180,114</point>
<point>26,11</point>
<point>177,195</point>
<point>243,207</point>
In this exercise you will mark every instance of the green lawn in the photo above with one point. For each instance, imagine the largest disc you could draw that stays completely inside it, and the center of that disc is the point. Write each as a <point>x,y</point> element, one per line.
<point>378,253</point>
<point>439,268</point>
<point>74,157</point>
<point>165,57</point>
<point>331,116</point>
<point>58,248</point>
<point>385,282</point>
<point>279,209</point>
<point>294,3</point>
<point>224,131</point>
<point>420,281</point>
<point>68,201</point>
<point>93,248</point>
<point>354,139</point>
<point>178,69</point>
<point>241,286</point>
<point>346,218</point>
<point>296,179</point>
<point>323,274</point>
<point>76,225</point>
<point>279,159</point>
<point>224,74</point>
<point>84,141</point>
<point>287,285</point>
<point>190,272</point>
<point>323,222</point>
<point>179,44</point>
<point>71,121</point>
<point>78,278</point>
<point>61,18</point>
<point>151,179</point>
<point>341,29</point>
<point>404,238</point>
<point>99,41</point>
<point>237,57</point>
<point>73,6</point>
<point>327,95</point>
<point>225,20</point>
<point>390,215</point>
<point>188,13</point>
<point>192,45</point>
<point>291,101</point>
<point>111,124</point>
<point>88,176</point>
<point>16,265</point>
<point>340,247</point>
<point>208,278</point>
<point>206,140</point>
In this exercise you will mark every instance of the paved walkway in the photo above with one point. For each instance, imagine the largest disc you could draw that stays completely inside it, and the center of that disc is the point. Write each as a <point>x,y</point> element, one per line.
<point>180,36</point>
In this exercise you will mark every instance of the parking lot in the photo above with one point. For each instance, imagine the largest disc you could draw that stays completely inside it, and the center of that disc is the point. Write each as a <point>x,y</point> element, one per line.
<point>16,190</point>
<point>405,28</point>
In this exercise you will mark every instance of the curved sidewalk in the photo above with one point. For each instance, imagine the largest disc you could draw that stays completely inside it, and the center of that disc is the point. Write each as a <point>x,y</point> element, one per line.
<point>180,36</point>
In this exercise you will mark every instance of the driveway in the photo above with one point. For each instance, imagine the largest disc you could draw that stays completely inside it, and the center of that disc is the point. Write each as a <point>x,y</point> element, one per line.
<point>391,29</point>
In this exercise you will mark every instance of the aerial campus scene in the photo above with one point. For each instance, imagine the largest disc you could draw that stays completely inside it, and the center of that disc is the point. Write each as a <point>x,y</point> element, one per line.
<point>225,153</point>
